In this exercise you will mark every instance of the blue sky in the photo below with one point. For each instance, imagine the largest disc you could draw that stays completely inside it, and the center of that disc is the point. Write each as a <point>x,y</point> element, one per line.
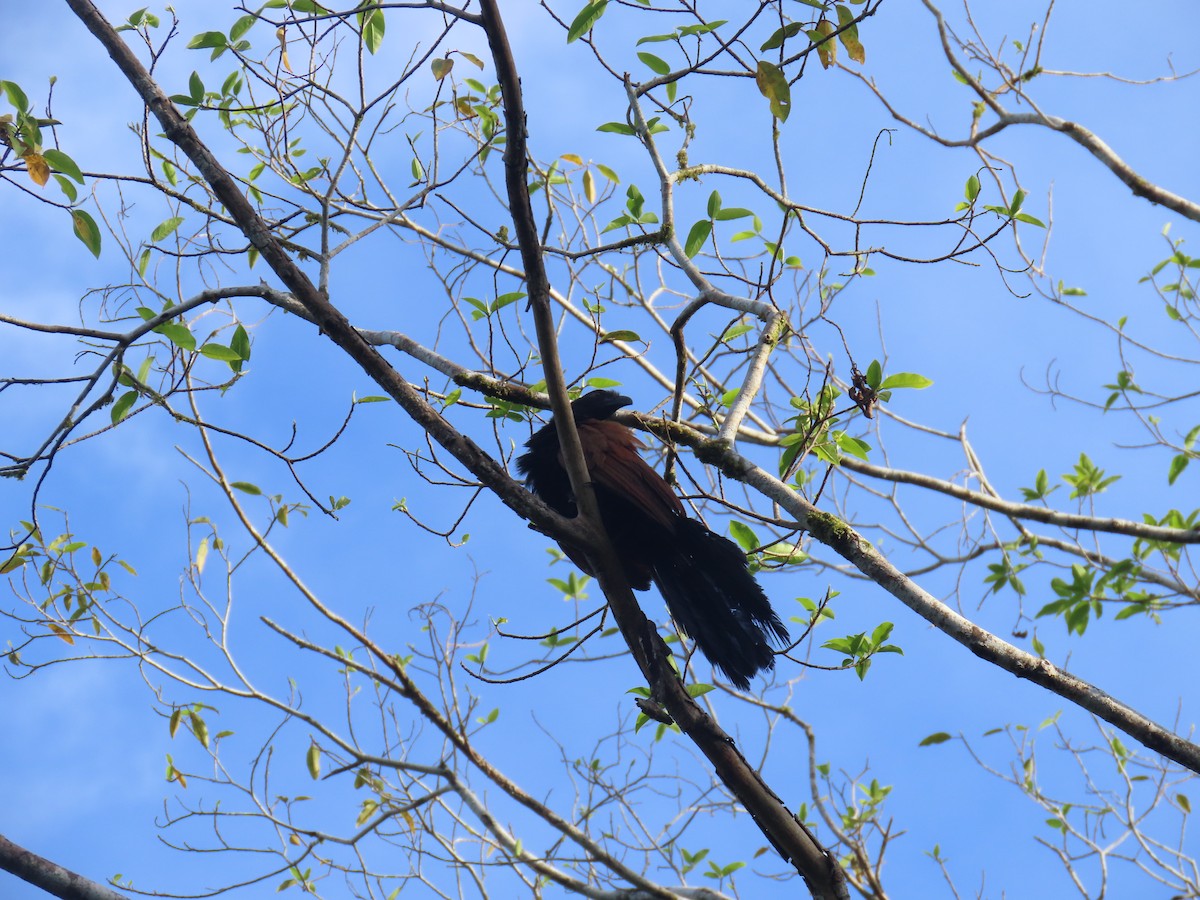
<point>86,747</point>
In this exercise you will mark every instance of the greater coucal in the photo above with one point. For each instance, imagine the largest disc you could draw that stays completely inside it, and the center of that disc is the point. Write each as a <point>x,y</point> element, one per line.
<point>703,577</point>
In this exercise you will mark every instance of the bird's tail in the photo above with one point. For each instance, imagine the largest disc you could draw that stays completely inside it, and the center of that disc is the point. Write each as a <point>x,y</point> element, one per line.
<point>715,601</point>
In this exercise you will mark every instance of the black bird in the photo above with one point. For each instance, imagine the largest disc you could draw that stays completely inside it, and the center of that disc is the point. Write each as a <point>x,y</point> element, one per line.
<point>703,577</point>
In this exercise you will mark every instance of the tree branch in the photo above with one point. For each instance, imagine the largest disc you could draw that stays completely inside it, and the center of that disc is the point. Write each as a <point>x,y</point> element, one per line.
<point>51,877</point>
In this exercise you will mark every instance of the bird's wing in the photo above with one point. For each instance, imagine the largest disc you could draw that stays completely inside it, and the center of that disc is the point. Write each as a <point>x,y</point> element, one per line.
<point>611,453</point>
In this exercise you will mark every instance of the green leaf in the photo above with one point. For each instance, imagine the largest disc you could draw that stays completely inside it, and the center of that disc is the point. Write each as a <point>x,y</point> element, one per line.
<point>714,204</point>
<point>208,40</point>
<point>220,352</point>
<point>505,299</point>
<point>63,163</point>
<point>1178,464</point>
<point>241,26</point>
<point>15,96</point>
<point>67,188</point>
<point>782,34</point>
<point>166,228</point>
<point>773,85</point>
<point>178,334</point>
<point>705,28</point>
<point>938,737</point>
<point>585,19</point>
<point>373,26</point>
<point>620,336</point>
<point>617,128</point>
<point>697,237</point>
<point>744,535</point>
<point>241,343</point>
<point>852,445</point>
<point>121,408</point>
<point>733,212</point>
<point>905,380</point>
<point>656,65</point>
<point>441,68</point>
<point>312,759</point>
<point>972,189</point>
<point>874,374</point>
<point>195,88</point>
<point>86,230</point>
<point>247,488</point>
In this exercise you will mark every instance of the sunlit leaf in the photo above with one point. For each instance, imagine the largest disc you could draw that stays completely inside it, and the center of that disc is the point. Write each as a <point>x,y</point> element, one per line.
<point>64,164</point>
<point>658,66</point>
<point>166,228</point>
<point>373,26</point>
<point>35,164</point>
<point>178,334</point>
<point>585,20</point>
<point>697,237</point>
<point>86,230</point>
<point>905,380</point>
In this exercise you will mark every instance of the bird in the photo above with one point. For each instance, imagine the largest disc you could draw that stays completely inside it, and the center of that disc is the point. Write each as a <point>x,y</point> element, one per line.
<point>703,577</point>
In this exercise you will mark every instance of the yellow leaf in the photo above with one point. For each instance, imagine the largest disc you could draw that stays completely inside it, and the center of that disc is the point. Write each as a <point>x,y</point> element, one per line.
<point>201,556</point>
<point>589,186</point>
<point>282,35</point>
<point>441,68</point>
<point>38,170</point>
<point>295,839</point>
<point>96,558</point>
<point>408,819</point>
<point>61,632</point>
<point>573,157</point>
<point>368,807</point>
<point>828,50</point>
<point>854,49</point>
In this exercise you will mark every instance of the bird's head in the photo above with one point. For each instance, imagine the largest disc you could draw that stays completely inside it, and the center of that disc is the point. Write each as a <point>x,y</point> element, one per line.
<point>598,405</point>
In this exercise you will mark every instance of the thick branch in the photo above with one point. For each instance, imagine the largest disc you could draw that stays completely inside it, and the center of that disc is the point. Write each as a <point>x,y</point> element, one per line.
<point>816,865</point>
<point>51,877</point>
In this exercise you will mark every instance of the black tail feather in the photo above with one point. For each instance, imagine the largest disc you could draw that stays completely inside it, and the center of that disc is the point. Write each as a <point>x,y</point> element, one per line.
<point>715,601</point>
